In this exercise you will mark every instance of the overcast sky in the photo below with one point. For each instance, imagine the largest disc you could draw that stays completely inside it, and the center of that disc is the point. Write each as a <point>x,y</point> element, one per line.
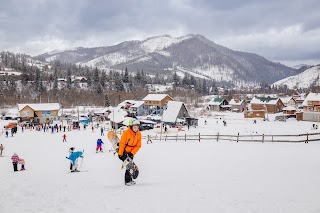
<point>280,30</point>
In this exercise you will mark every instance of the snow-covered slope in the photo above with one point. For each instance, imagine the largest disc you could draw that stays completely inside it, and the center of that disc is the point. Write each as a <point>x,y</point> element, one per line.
<point>302,80</point>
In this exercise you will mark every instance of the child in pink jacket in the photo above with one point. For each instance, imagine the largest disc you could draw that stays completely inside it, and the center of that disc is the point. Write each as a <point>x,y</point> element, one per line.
<point>22,162</point>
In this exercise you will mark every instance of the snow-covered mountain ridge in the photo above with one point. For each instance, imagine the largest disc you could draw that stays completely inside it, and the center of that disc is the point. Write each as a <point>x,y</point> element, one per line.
<point>190,53</point>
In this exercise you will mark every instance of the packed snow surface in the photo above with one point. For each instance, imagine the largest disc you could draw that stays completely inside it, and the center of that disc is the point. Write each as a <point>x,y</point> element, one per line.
<point>206,176</point>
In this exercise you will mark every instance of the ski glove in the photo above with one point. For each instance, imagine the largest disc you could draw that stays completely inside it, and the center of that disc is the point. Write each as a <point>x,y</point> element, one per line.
<point>130,155</point>
<point>121,157</point>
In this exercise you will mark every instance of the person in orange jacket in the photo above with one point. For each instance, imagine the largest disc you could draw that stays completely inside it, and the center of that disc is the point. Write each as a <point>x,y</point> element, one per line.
<point>130,143</point>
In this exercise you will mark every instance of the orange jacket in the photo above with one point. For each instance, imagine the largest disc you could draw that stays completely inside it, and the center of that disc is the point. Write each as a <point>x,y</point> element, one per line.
<point>130,141</point>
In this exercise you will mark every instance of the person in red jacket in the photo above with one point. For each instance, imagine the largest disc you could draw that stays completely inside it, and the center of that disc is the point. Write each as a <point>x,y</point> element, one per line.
<point>64,136</point>
<point>130,143</point>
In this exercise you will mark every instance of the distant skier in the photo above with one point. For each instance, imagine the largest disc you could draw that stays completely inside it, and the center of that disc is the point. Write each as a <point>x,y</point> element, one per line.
<point>92,128</point>
<point>64,136</point>
<point>149,139</point>
<point>101,130</point>
<point>205,122</point>
<point>7,133</point>
<point>99,145</point>
<point>15,160</point>
<point>73,157</point>
<point>1,149</point>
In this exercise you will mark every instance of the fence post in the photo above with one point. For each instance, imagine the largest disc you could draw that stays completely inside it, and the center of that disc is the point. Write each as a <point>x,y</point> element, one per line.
<point>165,139</point>
<point>262,138</point>
<point>238,138</point>
<point>199,136</point>
<point>177,137</point>
<point>272,138</point>
<point>185,137</point>
<point>307,141</point>
<point>218,137</point>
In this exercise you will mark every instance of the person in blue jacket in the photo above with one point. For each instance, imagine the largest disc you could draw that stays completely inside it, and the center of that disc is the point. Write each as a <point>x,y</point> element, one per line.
<point>74,159</point>
<point>99,145</point>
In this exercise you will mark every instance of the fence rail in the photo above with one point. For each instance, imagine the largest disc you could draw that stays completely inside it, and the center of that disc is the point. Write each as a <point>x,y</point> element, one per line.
<point>294,138</point>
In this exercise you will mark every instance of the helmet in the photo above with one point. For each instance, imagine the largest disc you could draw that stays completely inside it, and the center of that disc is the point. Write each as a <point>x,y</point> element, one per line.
<point>71,150</point>
<point>134,121</point>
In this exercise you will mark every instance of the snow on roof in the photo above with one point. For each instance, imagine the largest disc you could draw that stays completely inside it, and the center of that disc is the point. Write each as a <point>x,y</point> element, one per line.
<point>289,108</point>
<point>12,112</point>
<point>155,97</point>
<point>138,104</point>
<point>118,115</point>
<point>311,97</point>
<point>40,107</point>
<point>172,111</point>
<point>133,103</point>
<point>268,100</point>
<point>236,102</point>
<point>285,100</point>
<point>216,101</point>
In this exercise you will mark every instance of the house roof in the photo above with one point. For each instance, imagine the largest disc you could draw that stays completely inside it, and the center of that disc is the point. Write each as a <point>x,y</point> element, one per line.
<point>132,103</point>
<point>311,97</point>
<point>172,111</point>
<point>216,101</point>
<point>285,100</point>
<point>236,102</point>
<point>155,97</point>
<point>40,107</point>
<point>267,100</point>
<point>289,108</point>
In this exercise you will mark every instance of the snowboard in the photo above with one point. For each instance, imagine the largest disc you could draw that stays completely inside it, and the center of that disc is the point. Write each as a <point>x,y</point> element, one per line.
<point>128,163</point>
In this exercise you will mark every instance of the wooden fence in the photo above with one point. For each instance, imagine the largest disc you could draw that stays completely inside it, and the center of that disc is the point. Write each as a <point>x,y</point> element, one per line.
<point>295,138</point>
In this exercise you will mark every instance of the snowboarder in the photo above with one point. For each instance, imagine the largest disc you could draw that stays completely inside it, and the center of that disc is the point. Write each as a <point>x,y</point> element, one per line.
<point>149,138</point>
<point>99,145</point>
<point>1,149</point>
<point>64,136</point>
<point>73,157</point>
<point>130,143</point>
<point>22,162</point>
<point>101,130</point>
<point>15,160</point>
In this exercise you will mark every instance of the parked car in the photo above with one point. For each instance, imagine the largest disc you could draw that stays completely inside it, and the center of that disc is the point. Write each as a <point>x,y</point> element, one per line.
<point>145,127</point>
<point>27,123</point>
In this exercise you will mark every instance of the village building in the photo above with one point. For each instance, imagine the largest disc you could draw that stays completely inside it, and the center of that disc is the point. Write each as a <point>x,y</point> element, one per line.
<point>237,105</point>
<point>288,101</point>
<point>219,104</point>
<point>311,107</point>
<point>176,112</point>
<point>134,108</point>
<point>39,113</point>
<point>270,105</point>
<point>156,103</point>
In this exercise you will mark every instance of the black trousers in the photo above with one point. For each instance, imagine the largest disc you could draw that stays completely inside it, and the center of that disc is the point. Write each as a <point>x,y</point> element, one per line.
<point>127,175</point>
<point>15,166</point>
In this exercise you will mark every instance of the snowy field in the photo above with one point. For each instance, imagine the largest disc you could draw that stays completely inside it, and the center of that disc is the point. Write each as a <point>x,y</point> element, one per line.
<point>174,176</point>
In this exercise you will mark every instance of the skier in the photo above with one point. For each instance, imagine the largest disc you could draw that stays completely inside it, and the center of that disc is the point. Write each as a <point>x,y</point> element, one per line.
<point>7,133</point>
<point>1,149</point>
<point>92,129</point>
<point>64,136</point>
<point>101,130</point>
<point>130,143</point>
<point>149,138</point>
<point>73,157</point>
<point>22,162</point>
<point>12,131</point>
<point>15,160</point>
<point>205,122</point>
<point>99,145</point>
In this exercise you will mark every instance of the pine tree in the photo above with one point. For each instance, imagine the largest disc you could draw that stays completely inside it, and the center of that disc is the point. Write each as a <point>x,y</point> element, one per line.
<point>69,79</point>
<point>126,76</point>
<point>176,80</point>
<point>107,100</point>
<point>204,87</point>
<point>103,79</point>
<point>96,76</point>
<point>118,82</point>
<point>55,82</point>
